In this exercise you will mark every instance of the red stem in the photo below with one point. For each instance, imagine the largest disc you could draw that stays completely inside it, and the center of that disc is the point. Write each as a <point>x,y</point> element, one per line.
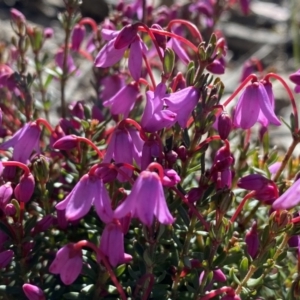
<point>136,125</point>
<point>145,82</point>
<point>111,273</point>
<point>156,166</point>
<point>226,289</point>
<point>241,205</point>
<point>191,27</point>
<point>17,164</point>
<point>250,77</point>
<point>45,123</point>
<point>149,71</point>
<point>208,140</point>
<point>172,35</point>
<point>293,102</point>
<point>89,21</point>
<point>87,141</point>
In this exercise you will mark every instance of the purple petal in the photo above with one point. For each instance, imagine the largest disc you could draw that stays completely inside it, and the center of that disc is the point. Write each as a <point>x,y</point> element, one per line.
<point>61,257</point>
<point>135,60</point>
<point>108,55</point>
<point>72,268</point>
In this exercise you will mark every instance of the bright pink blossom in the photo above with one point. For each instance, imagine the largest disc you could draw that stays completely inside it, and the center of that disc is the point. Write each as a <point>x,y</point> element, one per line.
<point>67,263</point>
<point>146,200</point>
<point>255,105</point>
<point>87,192</point>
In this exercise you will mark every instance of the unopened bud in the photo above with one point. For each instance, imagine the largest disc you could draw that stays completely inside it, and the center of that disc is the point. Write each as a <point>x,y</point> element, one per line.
<point>224,125</point>
<point>10,210</point>
<point>168,62</point>
<point>33,292</point>
<point>43,224</point>
<point>252,241</point>
<point>6,192</point>
<point>41,169</point>
<point>25,188</point>
<point>48,33</point>
<point>78,34</point>
<point>253,182</point>
<point>182,152</point>
<point>16,16</point>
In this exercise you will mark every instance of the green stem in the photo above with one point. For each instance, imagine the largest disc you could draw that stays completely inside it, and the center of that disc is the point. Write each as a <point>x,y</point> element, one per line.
<point>183,253</point>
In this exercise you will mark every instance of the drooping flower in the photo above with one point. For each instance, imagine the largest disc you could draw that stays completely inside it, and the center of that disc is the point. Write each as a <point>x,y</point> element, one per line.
<point>124,137</point>
<point>182,103</point>
<point>123,101</point>
<point>253,104</point>
<point>119,42</point>
<point>146,200</point>
<point>112,244</point>
<point>88,191</point>
<point>33,292</point>
<point>59,60</point>
<point>25,188</point>
<point>290,198</point>
<point>67,263</point>
<point>24,141</point>
<point>155,117</point>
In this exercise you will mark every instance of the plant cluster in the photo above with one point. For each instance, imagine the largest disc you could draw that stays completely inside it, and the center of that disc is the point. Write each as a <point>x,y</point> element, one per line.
<point>156,189</point>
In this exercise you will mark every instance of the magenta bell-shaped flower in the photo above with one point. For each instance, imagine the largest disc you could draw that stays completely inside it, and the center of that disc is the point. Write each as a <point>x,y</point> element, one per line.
<point>67,263</point>
<point>89,191</point>
<point>124,137</point>
<point>112,244</point>
<point>155,117</point>
<point>25,188</point>
<point>253,182</point>
<point>24,141</point>
<point>255,105</point>
<point>290,198</point>
<point>33,292</point>
<point>182,103</point>
<point>123,101</point>
<point>115,49</point>
<point>59,60</point>
<point>146,200</point>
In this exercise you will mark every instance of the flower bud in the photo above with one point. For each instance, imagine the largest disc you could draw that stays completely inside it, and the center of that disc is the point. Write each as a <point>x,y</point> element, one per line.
<point>279,220</point>
<point>171,178</point>
<point>171,157</point>
<point>6,192</point>
<point>41,169</point>
<point>253,182</point>
<point>67,142</point>
<point>78,34</point>
<point>25,188</point>
<point>10,210</point>
<point>17,17</point>
<point>168,62</point>
<point>182,153</point>
<point>5,258</point>
<point>43,224</point>
<point>195,194</point>
<point>33,292</point>
<point>252,241</point>
<point>224,125</point>
<point>48,33</point>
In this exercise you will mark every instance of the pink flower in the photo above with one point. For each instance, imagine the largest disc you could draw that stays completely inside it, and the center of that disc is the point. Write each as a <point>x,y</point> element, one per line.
<point>123,101</point>
<point>88,191</point>
<point>124,137</point>
<point>118,43</point>
<point>146,200</point>
<point>6,192</point>
<point>112,244</point>
<point>182,103</point>
<point>171,178</point>
<point>155,117</point>
<point>290,198</point>
<point>59,60</point>
<point>255,105</point>
<point>33,292</point>
<point>67,263</point>
<point>24,141</point>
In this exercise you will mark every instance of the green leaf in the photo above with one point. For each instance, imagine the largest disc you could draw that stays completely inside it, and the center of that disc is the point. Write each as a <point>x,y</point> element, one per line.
<point>244,266</point>
<point>120,270</point>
